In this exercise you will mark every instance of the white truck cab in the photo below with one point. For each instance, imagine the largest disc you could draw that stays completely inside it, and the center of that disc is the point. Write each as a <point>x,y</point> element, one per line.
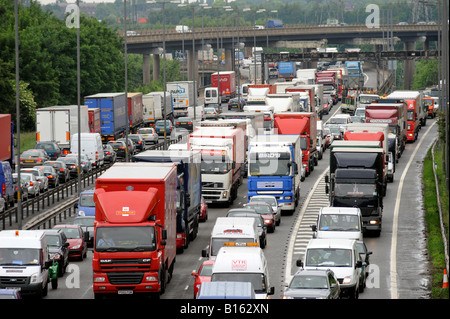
<point>237,230</point>
<point>24,261</point>
<point>339,222</point>
<point>247,264</point>
<point>339,255</point>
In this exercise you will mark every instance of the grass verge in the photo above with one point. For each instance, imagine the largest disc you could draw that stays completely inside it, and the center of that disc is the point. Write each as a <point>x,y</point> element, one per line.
<point>435,244</point>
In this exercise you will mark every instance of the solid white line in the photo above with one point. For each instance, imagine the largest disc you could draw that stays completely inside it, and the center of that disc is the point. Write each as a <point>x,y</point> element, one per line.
<point>393,269</point>
<point>287,271</point>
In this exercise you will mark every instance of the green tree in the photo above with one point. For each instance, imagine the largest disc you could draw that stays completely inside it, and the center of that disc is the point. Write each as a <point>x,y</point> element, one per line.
<point>426,74</point>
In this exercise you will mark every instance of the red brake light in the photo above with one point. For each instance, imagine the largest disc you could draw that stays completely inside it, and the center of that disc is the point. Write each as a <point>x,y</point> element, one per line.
<point>189,122</point>
<point>61,169</point>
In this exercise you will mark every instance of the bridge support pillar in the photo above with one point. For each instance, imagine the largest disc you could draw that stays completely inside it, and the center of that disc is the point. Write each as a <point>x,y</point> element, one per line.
<point>192,66</point>
<point>156,67</point>
<point>409,66</point>
<point>146,68</point>
<point>228,58</point>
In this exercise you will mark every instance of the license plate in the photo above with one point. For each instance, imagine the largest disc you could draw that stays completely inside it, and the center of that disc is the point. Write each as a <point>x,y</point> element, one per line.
<point>184,123</point>
<point>29,161</point>
<point>161,130</point>
<point>125,292</point>
<point>145,135</point>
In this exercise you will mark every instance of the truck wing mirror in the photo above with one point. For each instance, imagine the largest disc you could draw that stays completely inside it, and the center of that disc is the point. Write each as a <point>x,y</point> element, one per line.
<point>299,263</point>
<point>204,253</point>
<point>271,291</point>
<point>164,234</point>
<point>326,179</point>
<point>327,190</point>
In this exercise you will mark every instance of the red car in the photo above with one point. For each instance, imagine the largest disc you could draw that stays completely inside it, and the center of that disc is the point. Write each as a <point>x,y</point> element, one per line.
<point>202,275</point>
<point>77,239</point>
<point>266,212</point>
<point>203,211</point>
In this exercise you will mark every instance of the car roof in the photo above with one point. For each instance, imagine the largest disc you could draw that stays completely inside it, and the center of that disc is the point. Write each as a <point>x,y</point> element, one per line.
<point>66,226</point>
<point>312,272</point>
<point>340,210</point>
<point>257,204</point>
<point>330,243</point>
<point>53,231</point>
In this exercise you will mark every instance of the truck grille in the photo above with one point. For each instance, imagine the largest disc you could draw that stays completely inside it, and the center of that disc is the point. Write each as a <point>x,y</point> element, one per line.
<point>125,278</point>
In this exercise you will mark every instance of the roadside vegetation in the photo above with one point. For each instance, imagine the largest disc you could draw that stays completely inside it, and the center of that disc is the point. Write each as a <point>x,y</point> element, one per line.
<point>435,244</point>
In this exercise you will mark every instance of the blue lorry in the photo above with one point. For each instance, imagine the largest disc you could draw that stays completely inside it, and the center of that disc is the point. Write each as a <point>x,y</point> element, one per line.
<point>355,77</point>
<point>286,70</point>
<point>112,113</point>
<point>189,189</point>
<point>275,168</point>
<point>273,24</point>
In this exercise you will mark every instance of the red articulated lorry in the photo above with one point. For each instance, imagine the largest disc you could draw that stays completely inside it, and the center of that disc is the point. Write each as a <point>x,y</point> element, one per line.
<point>135,229</point>
<point>305,125</point>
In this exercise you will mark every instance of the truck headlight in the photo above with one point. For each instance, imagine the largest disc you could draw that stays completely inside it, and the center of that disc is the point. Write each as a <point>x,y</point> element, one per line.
<point>151,278</point>
<point>225,193</point>
<point>287,197</point>
<point>99,279</point>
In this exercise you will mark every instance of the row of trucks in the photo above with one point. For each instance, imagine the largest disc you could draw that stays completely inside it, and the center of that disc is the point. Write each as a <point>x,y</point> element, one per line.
<point>363,163</point>
<point>103,113</point>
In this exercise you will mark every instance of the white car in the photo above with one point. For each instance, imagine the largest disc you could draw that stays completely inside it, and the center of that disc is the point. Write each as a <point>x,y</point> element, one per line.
<point>272,201</point>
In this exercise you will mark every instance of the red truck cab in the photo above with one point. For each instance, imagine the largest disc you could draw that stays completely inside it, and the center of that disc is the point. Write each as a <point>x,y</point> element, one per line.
<point>413,121</point>
<point>305,125</point>
<point>135,229</point>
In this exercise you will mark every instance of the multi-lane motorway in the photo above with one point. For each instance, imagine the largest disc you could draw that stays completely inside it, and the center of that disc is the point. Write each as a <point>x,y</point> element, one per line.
<point>399,266</point>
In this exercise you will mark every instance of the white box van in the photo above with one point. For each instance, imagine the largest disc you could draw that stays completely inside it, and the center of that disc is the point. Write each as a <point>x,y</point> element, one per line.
<point>339,222</point>
<point>24,261</point>
<point>247,264</point>
<point>91,146</point>
<point>237,230</point>
<point>339,255</point>
<point>182,28</point>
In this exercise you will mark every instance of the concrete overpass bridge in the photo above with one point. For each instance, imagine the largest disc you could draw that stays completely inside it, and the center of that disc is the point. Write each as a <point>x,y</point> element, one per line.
<point>305,38</point>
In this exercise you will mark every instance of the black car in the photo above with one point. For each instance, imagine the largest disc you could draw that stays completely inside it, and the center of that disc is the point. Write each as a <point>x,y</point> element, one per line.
<point>58,248</point>
<point>247,212</point>
<point>60,168</point>
<point>51,148</point>
<point>72,165</point>
<point>365,257</point>
<point>313,284</point>
<point>184,123</point>
<point>139,142</point>
<point>234,104</point>
<point>118,147</point>
<point>51,174</point>
<point>110,153</point>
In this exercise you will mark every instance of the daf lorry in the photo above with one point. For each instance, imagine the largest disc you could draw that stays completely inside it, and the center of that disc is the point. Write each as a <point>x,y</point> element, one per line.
<point>227,86</point>
<point>135,229</point>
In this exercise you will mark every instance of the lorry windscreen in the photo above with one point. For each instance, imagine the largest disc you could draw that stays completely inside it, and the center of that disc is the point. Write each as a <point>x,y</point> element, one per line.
<point>410,116</point>
<point>20,256</point>
<point>270,164</point>
<point>257,279</point>
<point>215,164</point>
<point>125,238</point>
<point>354,189</point>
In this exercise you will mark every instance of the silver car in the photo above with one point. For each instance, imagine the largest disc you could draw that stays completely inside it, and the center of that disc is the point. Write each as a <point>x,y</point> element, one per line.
<point>86,164</point>
<point>40,177</point>
<point>31,183</point>
<point>211,113</point>
<point>149,135</point>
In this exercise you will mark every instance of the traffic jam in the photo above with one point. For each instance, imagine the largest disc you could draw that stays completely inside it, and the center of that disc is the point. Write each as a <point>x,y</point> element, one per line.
<point>147,208</point>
